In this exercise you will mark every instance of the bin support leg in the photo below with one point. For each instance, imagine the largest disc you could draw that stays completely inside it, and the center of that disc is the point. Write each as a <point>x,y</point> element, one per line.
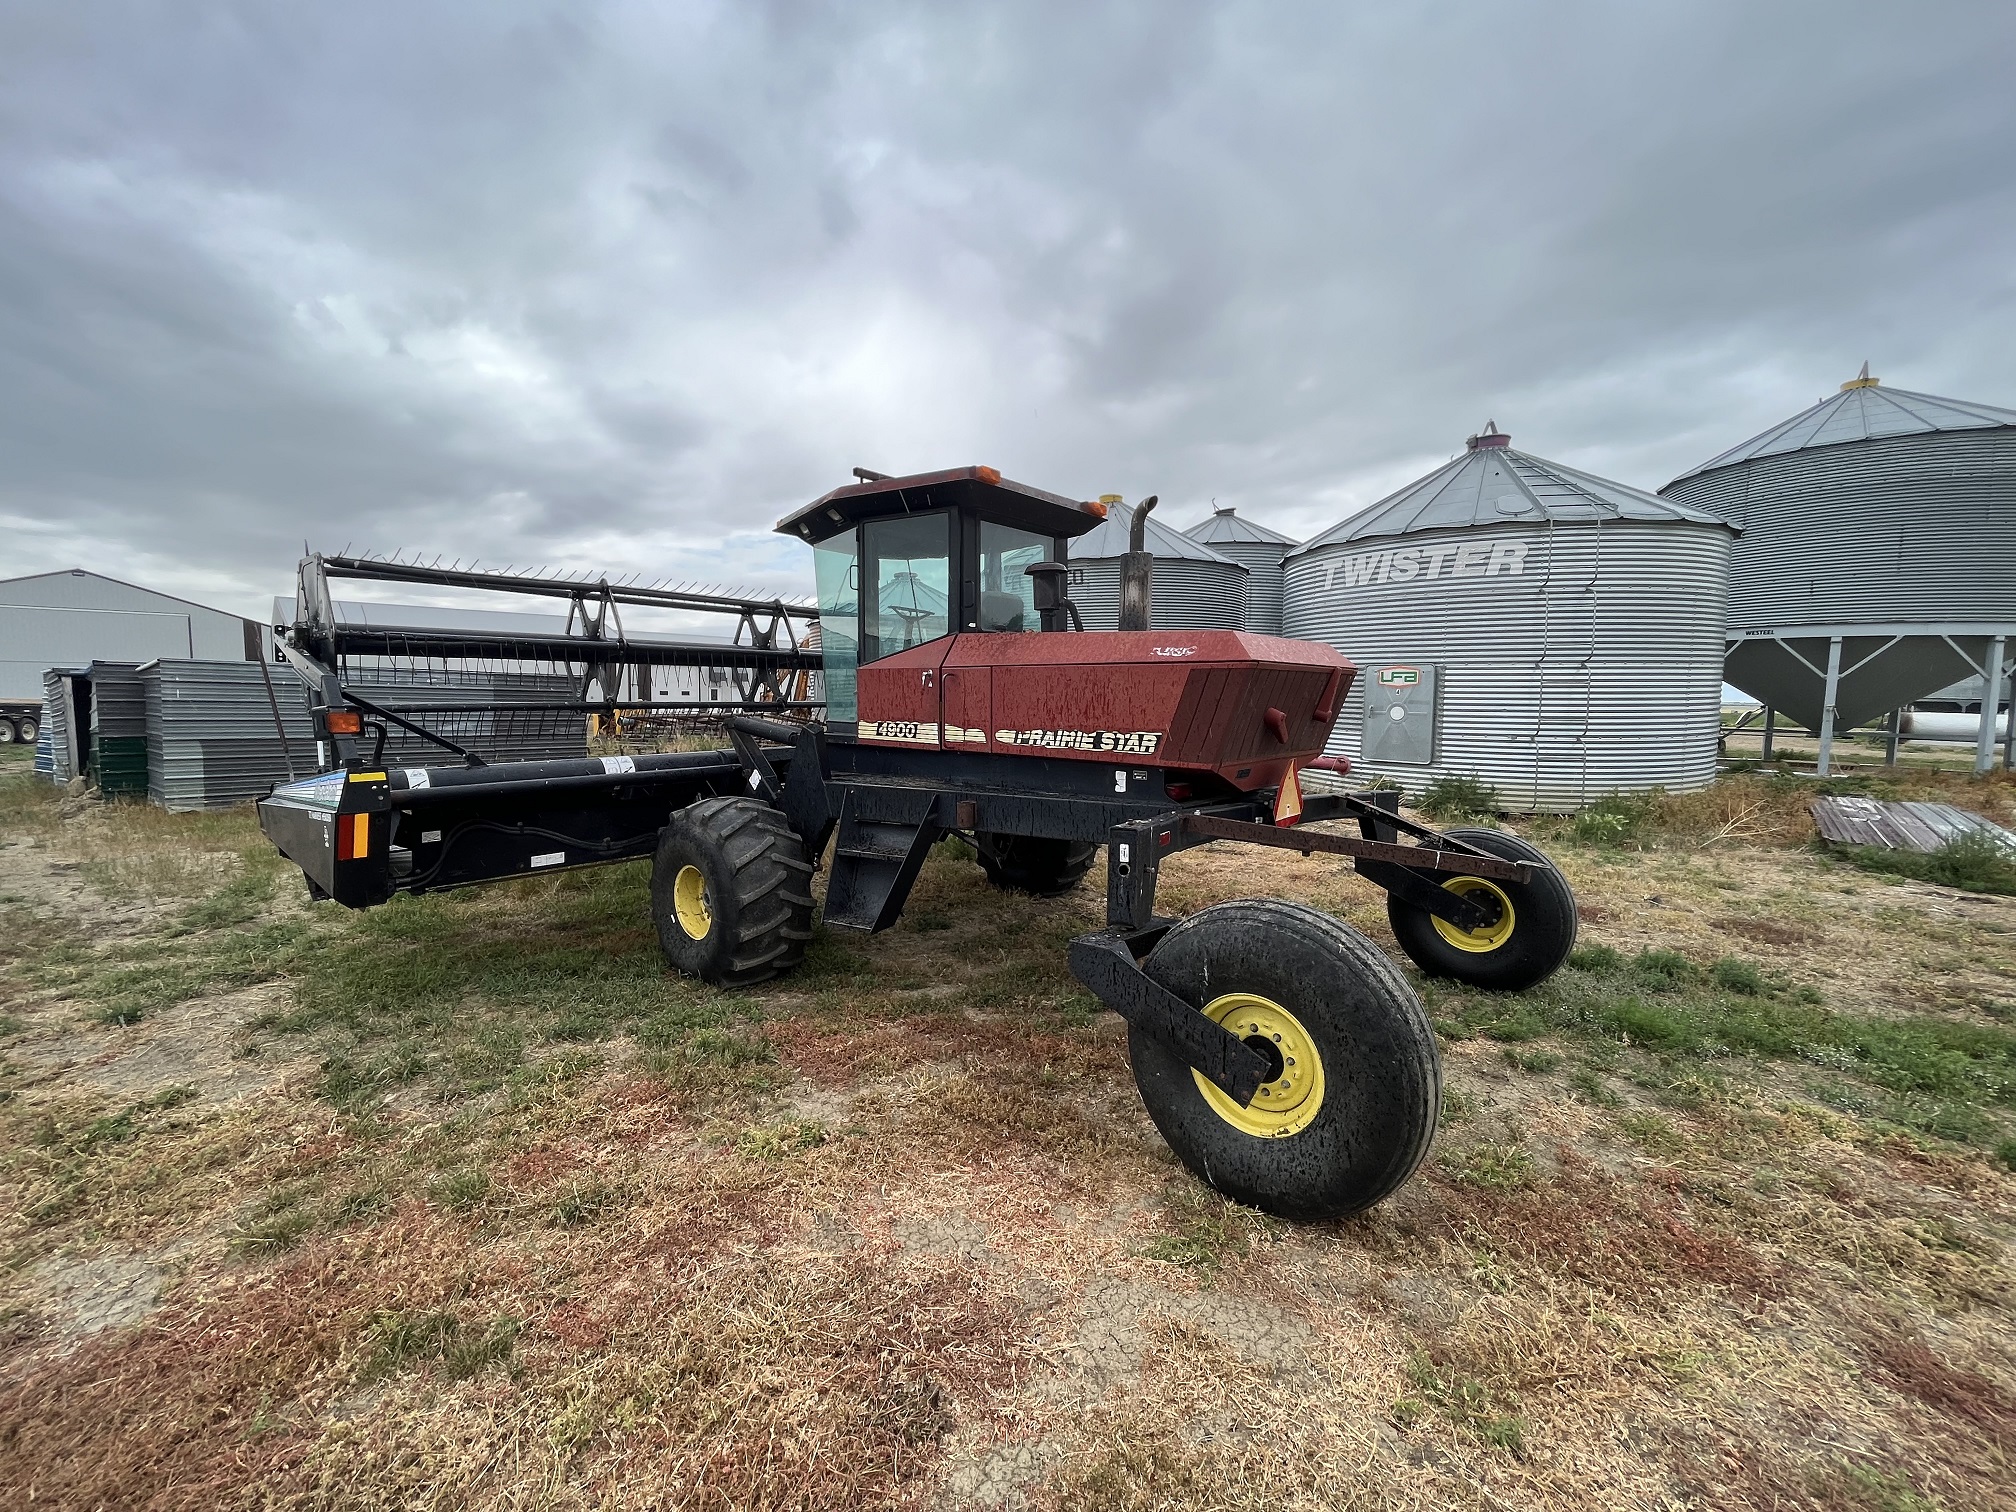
<point>1991,695</point>
<point>1827,706</point>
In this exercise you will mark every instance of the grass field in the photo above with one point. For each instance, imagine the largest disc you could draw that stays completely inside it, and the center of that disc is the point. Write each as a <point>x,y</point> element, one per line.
<point>466,1203</point>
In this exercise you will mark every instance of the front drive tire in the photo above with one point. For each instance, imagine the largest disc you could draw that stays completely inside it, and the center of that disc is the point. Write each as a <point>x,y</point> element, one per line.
<point>1352,1108</point>
<point>731,892</point>
<point>1535,932</point>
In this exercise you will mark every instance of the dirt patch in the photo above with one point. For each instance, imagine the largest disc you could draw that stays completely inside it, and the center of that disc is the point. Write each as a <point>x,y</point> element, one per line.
<point>201,1044</point>
<point>85,1297</point>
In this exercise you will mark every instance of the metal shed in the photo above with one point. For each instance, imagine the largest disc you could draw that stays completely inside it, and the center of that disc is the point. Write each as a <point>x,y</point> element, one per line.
<point>1551,633</point>
<point>69,619</point>
<point>1878,559</point>
<point>1257,549</point>
<point>1195,588</point>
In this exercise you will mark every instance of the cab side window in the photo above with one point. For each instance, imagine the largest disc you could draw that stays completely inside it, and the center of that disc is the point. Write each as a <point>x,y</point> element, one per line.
<point>1007,592</point>
<point>906,566</point>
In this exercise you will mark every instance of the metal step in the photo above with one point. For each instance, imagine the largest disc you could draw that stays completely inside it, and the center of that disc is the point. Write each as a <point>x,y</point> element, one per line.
<point>875,863</point>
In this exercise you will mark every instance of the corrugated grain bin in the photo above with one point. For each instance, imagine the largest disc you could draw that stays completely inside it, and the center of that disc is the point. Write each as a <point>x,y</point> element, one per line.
<point>1194,587</point>
<point>1553,634</point>
<point>1879,535</point>
<point>1257,549</point>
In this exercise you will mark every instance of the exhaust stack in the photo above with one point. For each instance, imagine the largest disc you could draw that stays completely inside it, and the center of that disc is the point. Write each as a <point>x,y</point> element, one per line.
<point>1137,569</point>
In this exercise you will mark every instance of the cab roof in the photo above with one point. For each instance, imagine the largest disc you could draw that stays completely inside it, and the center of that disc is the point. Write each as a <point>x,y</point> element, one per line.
<point>981,488</point>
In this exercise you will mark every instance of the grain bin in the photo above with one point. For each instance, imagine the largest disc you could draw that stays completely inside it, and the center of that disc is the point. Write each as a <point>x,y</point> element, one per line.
<point>1194,589</point>
<point>1257,549</point>
<point>1553,634</point>
<point>1878,558</point>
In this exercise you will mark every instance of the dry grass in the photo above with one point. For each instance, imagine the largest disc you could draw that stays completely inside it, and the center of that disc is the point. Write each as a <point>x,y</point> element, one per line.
<point>525,1223</point>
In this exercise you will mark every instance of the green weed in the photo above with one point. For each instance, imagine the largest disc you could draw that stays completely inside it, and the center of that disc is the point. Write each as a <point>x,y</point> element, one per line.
<point>1971,863</point>
<point>1619,820</point>
<point>583,1203</point>
<point>408,1340</point>
<point>1209,1232</point>
<point>1452,798</point>
<point>462,1189</point>
<point>1585,1080</point>
<point>1739,976</point>
<point>1595,958</point>
<point>1468,1403</point>
<point>1490,1167</point>
<point>775,1141</point>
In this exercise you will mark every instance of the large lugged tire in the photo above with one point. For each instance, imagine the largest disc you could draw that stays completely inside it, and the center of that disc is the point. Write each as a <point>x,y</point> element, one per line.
<point>1533,936</point>
<point>1353,1105</point>
<point>731,892</point>
<point>1027,863</point>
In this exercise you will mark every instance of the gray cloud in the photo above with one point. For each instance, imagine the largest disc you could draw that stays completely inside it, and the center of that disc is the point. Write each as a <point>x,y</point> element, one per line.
<point>616,286</point>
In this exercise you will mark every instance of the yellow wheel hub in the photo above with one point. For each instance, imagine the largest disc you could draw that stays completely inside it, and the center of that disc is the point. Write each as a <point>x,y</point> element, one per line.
<point>1285,1105</point>
<point>1490,936</point>
<point>689,903</point>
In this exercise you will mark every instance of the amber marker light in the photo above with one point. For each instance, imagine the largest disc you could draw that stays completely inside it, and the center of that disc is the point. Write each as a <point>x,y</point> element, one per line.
<point>987,474</point>
<point>1094,507</point>
<point>353,837</point>
<point>343,722</point>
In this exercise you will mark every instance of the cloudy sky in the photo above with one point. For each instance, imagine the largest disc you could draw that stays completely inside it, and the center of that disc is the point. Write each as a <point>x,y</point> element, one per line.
<point>615,286</point>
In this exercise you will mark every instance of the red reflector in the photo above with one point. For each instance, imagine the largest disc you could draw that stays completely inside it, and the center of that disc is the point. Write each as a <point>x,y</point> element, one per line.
<point>1180,791</point>
<point>344,722</point>
<point>353,837</point>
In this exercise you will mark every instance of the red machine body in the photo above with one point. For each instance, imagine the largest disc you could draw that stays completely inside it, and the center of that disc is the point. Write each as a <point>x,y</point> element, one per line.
<point>1245,707</point>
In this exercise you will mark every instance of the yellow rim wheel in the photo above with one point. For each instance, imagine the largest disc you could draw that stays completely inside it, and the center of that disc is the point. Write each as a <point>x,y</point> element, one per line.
<point>1491,936</point>
<point>1286,1104</point>
<point>689,903</point>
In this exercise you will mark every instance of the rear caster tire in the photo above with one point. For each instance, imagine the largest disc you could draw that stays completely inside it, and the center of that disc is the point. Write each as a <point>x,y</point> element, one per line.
<point>1027,863</point>
<point>1533,935</point>
<point>1357,1089</point>
<point>731,892</point>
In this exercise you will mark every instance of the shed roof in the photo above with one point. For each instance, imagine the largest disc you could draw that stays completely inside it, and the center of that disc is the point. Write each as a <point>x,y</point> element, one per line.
<point>1223,527</point>
<point>1110,539</point>
<point>77,587</point>
<point>1491,484</point>
<point>1863,410</point>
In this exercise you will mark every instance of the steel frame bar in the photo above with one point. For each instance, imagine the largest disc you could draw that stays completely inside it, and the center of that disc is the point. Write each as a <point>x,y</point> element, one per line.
<point>1462,863</point>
